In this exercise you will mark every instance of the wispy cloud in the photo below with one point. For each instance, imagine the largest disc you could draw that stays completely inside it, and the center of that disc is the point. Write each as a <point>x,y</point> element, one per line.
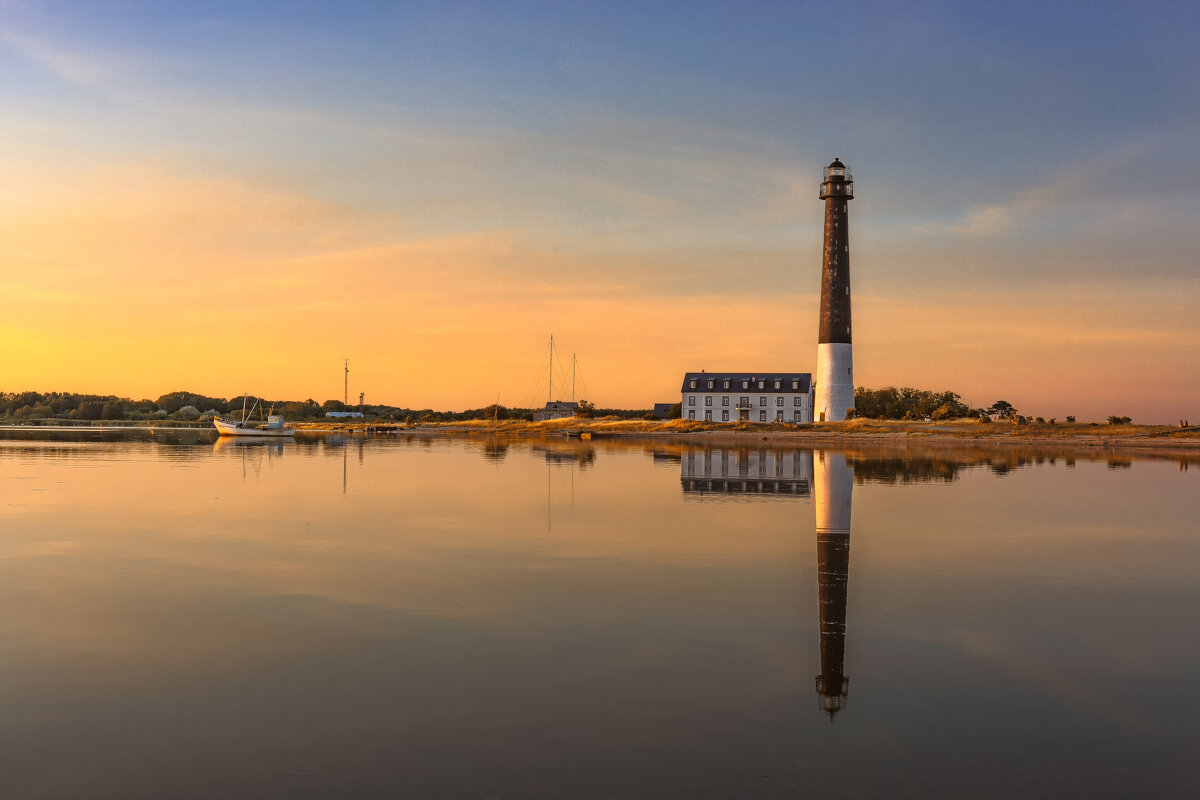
<point>1087,180</point>
<point>75,66</point>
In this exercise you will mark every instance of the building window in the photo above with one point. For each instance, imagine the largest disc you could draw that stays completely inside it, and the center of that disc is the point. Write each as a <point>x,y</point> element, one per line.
<point>778,401</point>
<point>726,385</point>
<point>776,384</point>
<point>691,399</point>
<point>762,416</point>
<point>761,384</point>
<point>691,414</point>
<point>725,400</point>
<point>692,384</point>
<point>796,415</point>
<point>710,384</point>
<point>796,401</point>
<point>745,384</point>
<point>708,399</point>
<point>795,384</point>
<point>762,401</point>
<point>708,415</point>
<point>724,416</point>
<point>779,415</point>
<point>743,402</point>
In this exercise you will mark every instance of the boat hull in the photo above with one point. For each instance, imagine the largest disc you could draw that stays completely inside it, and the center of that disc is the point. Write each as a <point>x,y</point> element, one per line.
<point>230,428</point>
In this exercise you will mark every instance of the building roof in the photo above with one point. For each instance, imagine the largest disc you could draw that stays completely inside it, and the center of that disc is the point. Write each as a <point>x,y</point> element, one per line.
<point>735,381</point>
<point>662,409</point>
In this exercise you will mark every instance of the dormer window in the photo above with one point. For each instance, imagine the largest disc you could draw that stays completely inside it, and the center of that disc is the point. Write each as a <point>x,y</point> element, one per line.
<point>795,384</point>
<point>692,384</point>
<point>777,384</point>
<point>710,384</point>
<point>761,384</point>
<point>726,386</point>
<point>745,384</point>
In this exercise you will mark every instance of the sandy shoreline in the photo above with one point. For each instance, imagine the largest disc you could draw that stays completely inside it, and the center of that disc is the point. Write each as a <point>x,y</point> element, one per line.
<point>1134,439</point>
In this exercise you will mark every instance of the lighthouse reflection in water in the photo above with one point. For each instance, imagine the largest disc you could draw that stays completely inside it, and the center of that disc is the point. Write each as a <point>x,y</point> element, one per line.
<point>828,479</point>
<point>833,496</point>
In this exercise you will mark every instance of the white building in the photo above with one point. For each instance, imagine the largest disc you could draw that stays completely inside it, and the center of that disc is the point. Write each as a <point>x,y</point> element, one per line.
<point>747,397</point>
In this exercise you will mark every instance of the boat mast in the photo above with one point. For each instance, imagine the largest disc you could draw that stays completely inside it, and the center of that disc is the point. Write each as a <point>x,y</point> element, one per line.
<point>346,387</point>
<point>550,391</point>
<point>573,360</point>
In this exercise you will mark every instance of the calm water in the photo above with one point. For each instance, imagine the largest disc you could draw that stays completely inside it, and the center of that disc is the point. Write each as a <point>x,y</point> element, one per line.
<point>430,618</point>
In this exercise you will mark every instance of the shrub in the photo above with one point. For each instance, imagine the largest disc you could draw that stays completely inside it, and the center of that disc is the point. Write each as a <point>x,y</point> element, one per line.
<point>188,412</point>
<point>1115,420</point>
<point>1070,418</point>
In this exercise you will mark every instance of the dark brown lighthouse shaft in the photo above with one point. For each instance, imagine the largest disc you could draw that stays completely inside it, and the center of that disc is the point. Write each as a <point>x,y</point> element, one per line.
<point>836,191</point>
<point>833,573</point>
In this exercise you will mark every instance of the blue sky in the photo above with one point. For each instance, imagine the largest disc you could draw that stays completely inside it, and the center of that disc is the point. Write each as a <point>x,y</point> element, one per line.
<point>1026,172</point>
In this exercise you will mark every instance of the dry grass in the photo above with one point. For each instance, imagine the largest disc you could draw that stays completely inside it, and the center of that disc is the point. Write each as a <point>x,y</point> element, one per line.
<point>941,429</point>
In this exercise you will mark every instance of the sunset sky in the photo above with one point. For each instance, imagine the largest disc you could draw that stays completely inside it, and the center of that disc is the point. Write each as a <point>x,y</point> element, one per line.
<point>229,197</point>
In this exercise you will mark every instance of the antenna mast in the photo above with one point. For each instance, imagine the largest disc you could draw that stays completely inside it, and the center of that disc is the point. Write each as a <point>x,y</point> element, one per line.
<point>346,388</point>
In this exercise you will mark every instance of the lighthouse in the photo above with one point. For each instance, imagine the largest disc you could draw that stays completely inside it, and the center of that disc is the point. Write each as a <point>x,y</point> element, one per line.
<point>835,362</point>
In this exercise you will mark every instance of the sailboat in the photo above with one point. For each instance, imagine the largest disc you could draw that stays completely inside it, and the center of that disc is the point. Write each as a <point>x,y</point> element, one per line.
<point>273,426</point>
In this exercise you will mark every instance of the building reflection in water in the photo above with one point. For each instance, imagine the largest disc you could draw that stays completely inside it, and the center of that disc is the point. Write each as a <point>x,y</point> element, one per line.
<point>833,495</point>
<point>746,471</point>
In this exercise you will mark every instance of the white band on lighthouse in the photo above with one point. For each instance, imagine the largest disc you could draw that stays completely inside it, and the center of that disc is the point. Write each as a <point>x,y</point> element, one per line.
<point>835,381</point>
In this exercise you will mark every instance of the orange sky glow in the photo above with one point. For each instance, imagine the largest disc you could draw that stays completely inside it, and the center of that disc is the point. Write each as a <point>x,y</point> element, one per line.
<point>166,226</point>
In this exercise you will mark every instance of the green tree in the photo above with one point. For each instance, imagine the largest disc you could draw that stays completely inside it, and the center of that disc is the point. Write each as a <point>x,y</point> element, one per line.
<point>494,411</point>
<point>1002,409</point>
<point>91,409</point>
<point>585,410</point>
<point>113,409</point>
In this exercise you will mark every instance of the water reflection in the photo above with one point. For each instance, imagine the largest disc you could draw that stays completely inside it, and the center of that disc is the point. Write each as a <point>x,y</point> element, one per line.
<point>833,499</point>
<point>579,454</point>
<point>746,470</point>
<point>829,478</point>
<point>429,635</point>
<point>233,444</point>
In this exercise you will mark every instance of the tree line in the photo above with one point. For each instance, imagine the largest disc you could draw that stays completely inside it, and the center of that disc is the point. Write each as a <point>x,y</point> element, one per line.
<point>50,406</point>
<point>917,404</point>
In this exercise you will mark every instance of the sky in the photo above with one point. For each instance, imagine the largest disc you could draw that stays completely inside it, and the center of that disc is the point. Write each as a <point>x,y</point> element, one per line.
<point>226,197</point>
